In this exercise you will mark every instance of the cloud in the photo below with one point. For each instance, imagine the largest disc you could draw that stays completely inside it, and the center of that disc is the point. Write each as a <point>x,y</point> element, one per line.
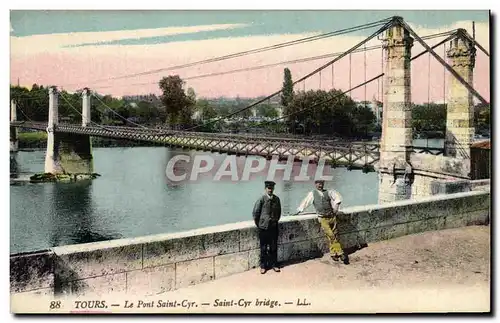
<point>56,42</point>
<point>81,66</point>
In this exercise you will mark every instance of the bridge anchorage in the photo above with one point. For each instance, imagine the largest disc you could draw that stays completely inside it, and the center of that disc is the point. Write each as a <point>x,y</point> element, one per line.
<point>405,171</point>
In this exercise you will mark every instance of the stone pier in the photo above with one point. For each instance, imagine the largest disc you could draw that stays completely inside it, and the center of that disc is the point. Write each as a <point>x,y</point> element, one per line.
<point>460,108</point>
<point>395,146</point>
<point>14,138</point>
<point>67,153</point>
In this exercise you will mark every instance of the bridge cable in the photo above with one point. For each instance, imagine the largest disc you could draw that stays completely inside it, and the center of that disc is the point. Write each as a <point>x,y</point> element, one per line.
<point>18,106</point>
<point>362,84</point>
<point>387,25</point>
<point>116,113</point>
<point>90,119</point>
<point>253,68</point>
<point>365,71</point>
<point>257,50</point>
<point>444,76</point>
<point>440,60</point>
<point>429,81</point>
<point>333,85</point>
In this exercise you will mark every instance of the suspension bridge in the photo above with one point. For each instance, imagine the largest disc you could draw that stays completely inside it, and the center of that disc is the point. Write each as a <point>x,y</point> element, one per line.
<point>395,156</point>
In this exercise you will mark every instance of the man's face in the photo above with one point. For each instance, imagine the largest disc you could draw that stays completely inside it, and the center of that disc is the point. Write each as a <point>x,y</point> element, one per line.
<point>269,190</point>
<point>319,186</point>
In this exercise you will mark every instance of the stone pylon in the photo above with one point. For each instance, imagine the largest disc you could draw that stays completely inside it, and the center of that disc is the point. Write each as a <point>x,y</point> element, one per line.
<point>14,138</point>
<point>397,138</point>
<point>86,107</point>
<point>52,164</point>
<point>68,153</point>
<point>460,105</point>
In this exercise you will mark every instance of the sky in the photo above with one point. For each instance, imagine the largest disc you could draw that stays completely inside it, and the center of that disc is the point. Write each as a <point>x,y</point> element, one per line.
<point>76,49</point>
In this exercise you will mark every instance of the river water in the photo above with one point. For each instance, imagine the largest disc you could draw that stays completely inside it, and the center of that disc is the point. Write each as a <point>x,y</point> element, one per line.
<point>133,197</point>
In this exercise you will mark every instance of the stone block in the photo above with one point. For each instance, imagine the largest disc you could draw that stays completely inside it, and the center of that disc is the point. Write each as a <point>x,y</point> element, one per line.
<point>352,240</point>
<point>99,286</point>
<point>417,226</point>
<point>30,271</point>
<point>221,243</point>
<point>449,187</point>
<point>480,217</point>
<point>456,221</point>
<point>436,223</point>
<point>298,230</point>
<point>226,265</point>
<point>249,239</point>
<point>385,233</point>
<point>151,281</point>
<point>253,258</point>
<point>475,203</point>
<point>298,251</point>
<point>172,250</point>
<point>189,248</point>
<point>352,222</point>
<point>37,292</point>
<point>100,262</point>
<point>194,272</point>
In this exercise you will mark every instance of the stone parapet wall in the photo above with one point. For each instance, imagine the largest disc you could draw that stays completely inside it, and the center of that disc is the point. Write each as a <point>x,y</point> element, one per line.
<point>154,264</point>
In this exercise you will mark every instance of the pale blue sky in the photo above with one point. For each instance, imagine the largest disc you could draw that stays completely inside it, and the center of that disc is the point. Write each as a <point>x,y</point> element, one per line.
<point>26,23</point>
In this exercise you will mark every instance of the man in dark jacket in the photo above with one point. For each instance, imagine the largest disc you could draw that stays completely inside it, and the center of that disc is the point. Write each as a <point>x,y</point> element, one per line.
<point>266,214</point>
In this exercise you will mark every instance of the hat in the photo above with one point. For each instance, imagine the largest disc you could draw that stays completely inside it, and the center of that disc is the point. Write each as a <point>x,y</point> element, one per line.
<point>269,184</point>
<point>319,181</point>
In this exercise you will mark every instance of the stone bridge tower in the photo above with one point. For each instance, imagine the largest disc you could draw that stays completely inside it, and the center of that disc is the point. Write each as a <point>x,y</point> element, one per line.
<point>460,109</point>
<point>14,135</point>
<point>395,146</point>
<point>68,153</point>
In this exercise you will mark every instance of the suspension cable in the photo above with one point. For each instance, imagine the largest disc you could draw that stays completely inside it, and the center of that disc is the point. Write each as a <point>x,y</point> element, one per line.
<point>333,77</point>
<point>429,81</point>
<point>365,71</point>
<point>75,109</point>
<point>253,68</point>
<point>360,85</point>
<point>116,113</point>
<point>324,101</point>
<point>387,25</point>
<point>258,50</point>
<point>444,76</point>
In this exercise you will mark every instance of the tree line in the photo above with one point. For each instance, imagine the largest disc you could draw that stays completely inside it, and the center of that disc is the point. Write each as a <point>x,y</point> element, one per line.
<point>314,112</point>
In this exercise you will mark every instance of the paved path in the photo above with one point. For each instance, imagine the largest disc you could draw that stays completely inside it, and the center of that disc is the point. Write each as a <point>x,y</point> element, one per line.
<point>436,271</point>
<point>445,270</point>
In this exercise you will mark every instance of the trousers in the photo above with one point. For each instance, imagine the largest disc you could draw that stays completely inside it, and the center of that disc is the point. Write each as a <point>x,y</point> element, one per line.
<point>268,247</point>
<point>329,226</point>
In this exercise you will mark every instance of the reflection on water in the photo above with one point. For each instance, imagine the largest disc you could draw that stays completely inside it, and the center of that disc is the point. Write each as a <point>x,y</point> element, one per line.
<point>72,215</point>
<point>133,197</point>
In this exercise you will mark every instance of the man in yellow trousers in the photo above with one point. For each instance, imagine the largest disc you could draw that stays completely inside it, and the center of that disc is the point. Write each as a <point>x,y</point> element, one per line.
<point>326,203</point>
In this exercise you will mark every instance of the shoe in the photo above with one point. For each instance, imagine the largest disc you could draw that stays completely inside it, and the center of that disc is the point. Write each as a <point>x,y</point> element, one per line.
<point>335,258</point>
<point>262,271</point>
<point>276,269</point>
<point>345,258</point>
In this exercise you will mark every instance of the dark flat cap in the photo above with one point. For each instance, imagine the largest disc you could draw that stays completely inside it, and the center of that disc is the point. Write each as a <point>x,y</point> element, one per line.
<point>319,181</point>
<point>269,184</point>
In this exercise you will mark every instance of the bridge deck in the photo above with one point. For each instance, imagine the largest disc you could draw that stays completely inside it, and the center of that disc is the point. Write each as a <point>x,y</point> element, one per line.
<point>335,152</point>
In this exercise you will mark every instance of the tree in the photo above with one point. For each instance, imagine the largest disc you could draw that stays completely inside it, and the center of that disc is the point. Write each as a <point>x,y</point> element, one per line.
<point>429,117</point>
<point>205,110</point>
<point>287,91</point>
<point>316,112</point>
<point>267,110</point>
<point>177,104</point>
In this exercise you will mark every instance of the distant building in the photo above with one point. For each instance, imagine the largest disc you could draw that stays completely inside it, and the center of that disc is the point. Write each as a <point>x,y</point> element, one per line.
<point>143,97</point>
